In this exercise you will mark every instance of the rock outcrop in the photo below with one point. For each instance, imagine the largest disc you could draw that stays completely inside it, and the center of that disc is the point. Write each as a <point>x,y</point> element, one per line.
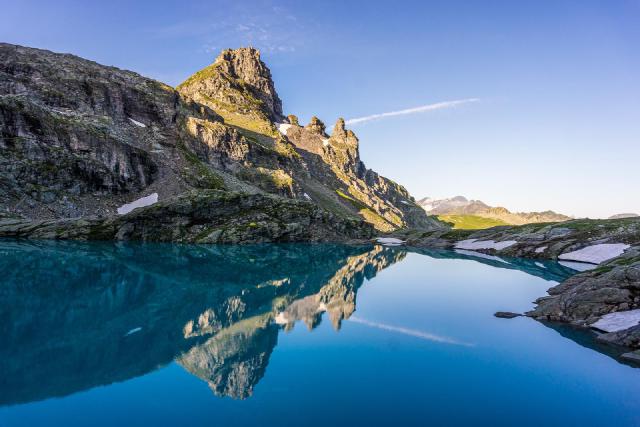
<point>205,216</point>
<point>583,299</point>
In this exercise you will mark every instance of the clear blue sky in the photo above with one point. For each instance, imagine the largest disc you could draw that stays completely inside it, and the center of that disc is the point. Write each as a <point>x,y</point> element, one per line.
<point>556,124</point>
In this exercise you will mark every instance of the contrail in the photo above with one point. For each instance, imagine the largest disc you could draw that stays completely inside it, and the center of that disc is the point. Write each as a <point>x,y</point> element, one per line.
<point>421,109</point>
<point>411,332</point>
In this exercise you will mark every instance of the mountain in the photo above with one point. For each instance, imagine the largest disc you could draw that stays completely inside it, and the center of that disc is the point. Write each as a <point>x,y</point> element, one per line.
<point>624,215</point>
<point>83,140</point>
<point>465,213</point>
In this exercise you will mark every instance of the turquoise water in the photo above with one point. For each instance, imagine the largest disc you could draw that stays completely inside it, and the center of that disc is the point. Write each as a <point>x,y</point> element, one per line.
<point>108,334</point>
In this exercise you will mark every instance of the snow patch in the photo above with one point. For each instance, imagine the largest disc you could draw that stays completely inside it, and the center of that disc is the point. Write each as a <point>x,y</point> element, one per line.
<point>596,254</point>
<point>141,202</point>
<point>283,128</point>
<point>480,255</point>
<point>577,266</point>
<point>540,249</point>
<point>619,321</point>
<point>137,123</point>
<point>389,241</point>
<point>306,196</point>
<point>325,142</point>
<point>474,244</point>
<point>539,264</point>
<point>405,202</point>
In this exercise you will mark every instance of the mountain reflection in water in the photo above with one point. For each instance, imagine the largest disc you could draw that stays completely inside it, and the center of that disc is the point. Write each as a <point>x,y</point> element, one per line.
<point>77,315</point>
<point>74,316</point>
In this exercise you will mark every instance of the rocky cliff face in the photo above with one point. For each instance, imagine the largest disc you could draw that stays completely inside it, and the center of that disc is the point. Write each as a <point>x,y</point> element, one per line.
<point>325,169</point>
<point>79,139</point>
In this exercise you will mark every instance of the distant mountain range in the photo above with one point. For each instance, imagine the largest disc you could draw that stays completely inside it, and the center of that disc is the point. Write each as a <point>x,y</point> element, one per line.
<point>459,206</point>
<point>624,215</point>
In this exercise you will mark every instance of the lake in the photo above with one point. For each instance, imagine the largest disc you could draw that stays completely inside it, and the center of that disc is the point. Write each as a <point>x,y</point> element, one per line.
<point>107,334</point>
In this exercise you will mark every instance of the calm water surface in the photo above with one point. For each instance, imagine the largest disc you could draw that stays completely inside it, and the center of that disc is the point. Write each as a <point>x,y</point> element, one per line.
<point>109,334</point>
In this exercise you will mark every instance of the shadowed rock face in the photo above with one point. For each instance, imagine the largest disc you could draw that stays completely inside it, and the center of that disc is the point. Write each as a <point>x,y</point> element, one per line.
<point>78,315</point>
<point>79,139</point>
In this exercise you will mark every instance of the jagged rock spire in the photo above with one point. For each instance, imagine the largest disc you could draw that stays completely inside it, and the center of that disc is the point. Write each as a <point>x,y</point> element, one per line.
<point>316,126</point>
<point>237,78</point>
<point>245,64</point>
<point>293,119</point>
<point>339,130</point>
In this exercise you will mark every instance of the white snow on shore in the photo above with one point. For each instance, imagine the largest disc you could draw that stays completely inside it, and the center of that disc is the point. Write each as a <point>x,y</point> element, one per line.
<point>137,123</point>
<point>389,241</point>
<point>283,128</point>
<point>141,202</point>
<point>577,266</point>
<point>596,254</point>
<point>474,244</point>
<point>540,249</point>
<point>480,255</point>
<point>619,321</point>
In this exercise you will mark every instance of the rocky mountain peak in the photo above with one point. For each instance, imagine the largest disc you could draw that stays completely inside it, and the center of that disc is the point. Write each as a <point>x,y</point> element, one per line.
<point>339,130</point>
<point>237,77</point>
<point>316,126</point>
<point>293,119</point>
<point>245,64</point>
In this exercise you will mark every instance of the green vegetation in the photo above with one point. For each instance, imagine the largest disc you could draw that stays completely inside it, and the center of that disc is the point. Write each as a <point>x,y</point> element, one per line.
<point>458,234</point>
<point>268,179</point>
<point>369,215</point>
<point>470,222</point>
<point>205,73</point>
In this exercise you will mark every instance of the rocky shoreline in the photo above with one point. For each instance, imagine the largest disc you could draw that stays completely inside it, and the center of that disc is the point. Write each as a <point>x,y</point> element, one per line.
<point>605,297</point>
<point>204,216</point>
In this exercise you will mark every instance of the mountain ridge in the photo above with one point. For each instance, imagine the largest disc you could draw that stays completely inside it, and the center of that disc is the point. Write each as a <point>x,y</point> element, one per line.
<point>79,139</point>
<point>460,205</point>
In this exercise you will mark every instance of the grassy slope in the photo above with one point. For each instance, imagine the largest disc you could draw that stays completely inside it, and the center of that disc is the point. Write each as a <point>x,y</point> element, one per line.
<point>470,222</point>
